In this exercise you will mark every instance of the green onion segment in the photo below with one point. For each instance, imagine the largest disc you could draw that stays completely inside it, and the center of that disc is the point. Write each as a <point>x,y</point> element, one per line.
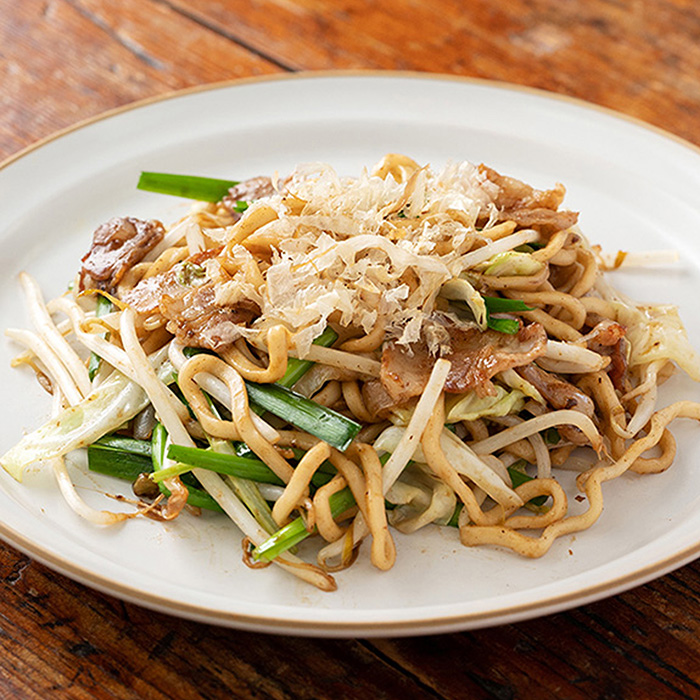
<point>242,467</point>
<point>518,476</point>
<point>296,368</point>
<point>203,189</point>
<point>307,415</point>
<point>498,305</point>
<point>321,422</point>
<point>503,325</point>
<point>293,533</point>
<point>118,463</point>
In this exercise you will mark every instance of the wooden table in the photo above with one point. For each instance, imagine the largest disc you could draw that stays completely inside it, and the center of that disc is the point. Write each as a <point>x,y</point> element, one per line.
<point>62,61</point>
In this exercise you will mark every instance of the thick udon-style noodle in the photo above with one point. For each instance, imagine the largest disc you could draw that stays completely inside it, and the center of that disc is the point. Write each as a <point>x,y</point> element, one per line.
<point>411,464</point>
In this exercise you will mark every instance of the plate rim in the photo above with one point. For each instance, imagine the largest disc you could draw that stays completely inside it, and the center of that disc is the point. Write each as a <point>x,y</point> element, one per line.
<point>365,627</point>
<point>343,73</point>
<point>347,628</point>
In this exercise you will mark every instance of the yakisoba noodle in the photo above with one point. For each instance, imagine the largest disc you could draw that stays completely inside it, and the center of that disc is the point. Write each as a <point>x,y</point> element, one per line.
<point>455,324</point>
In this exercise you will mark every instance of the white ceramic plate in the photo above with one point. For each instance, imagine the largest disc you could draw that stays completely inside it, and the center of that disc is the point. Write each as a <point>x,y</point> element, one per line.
<point>636,189</point>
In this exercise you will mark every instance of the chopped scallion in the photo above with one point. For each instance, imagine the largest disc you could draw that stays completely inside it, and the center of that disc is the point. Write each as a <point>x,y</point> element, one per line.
<point>118,463</point>
<point>243,467</point>
<point>197,498</point>
<point>159,442</point>
<point>203,189</point>
<point>126,458</point>
<point>296,368</point>
<point>293,533</point>
<point>126,444</point>
<point>519,476</point>
<point>307,415</point>
<point>497,305</point>
<point>504,325</point>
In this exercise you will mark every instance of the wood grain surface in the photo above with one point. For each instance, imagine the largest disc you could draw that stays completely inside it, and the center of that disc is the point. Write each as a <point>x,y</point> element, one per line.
<point>62,61</point>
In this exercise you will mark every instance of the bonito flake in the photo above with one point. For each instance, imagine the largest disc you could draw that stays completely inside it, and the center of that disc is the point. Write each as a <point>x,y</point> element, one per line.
<point>369,249</point>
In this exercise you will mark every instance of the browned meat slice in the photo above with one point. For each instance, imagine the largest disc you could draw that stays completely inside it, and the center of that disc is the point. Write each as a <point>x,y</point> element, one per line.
<point>608,338</point>
<point>405,371</point>
<point>146,296</point>
<point>528,207</point>
<point>560,395</point>
<point>377,399</point>
<point>514,194</point>
<point>544,220</point>
<point>617,369</point>
<point>187,300</point>
<point>247,191</point>
<point>116,246</point>
<point>197,321</point>
<point>604,334</point>
<point>476,356</point>
<point>555,391</point>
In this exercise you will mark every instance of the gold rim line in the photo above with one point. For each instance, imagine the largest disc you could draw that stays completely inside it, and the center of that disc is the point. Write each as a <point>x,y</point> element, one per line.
<point>359,73</point>
<point>217,616</point>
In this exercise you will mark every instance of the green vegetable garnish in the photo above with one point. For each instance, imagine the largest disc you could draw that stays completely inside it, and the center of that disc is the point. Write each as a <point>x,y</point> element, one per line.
<point>203,189</point>
<point>519,476</point>
<point>497,305</point>
<point>321,422</point>
<point>504,325</point>
<point>127,458</point>
<point>125,444</point>
<point>118,463</point>
<point>296,368</point>
<point>307,415</point>
<point>194,457</point>
<point>290,535</point>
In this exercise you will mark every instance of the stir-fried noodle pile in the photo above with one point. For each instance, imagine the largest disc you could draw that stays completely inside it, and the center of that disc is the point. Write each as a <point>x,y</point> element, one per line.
<point>343,358</point>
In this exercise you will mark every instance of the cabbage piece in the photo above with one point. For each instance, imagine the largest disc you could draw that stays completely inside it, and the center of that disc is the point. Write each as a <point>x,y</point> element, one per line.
<point>421,499</point>
<point>115,401</point>
<point>470,406</point>
<point>510,263</point>
<point>463,460</point>
<point>657,333</point>
<point>400,415</point>
<point>460,289</point>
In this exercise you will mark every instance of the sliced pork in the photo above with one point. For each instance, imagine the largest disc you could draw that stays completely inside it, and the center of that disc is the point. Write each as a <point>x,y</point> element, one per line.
<point>556,392</point>
<point>608,338</point>
<point>247,191</point>
<point>560,394</point>
<point>476,356</point>
<point>118,245</point>
<point>528,207</point>
<point>187,299</point>
<point>377,399</point>
<point>603,335</point>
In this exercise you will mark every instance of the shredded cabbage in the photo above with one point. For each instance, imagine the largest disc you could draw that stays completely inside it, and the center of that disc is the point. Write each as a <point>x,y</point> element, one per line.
<point>510,263</point>
<point>462,290</point>
<point>470,406</point>
<point>109,405</point>
<point>114,402</point>
<point>461,457</point>
<point>421,499</point>
<point>657,333</point>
